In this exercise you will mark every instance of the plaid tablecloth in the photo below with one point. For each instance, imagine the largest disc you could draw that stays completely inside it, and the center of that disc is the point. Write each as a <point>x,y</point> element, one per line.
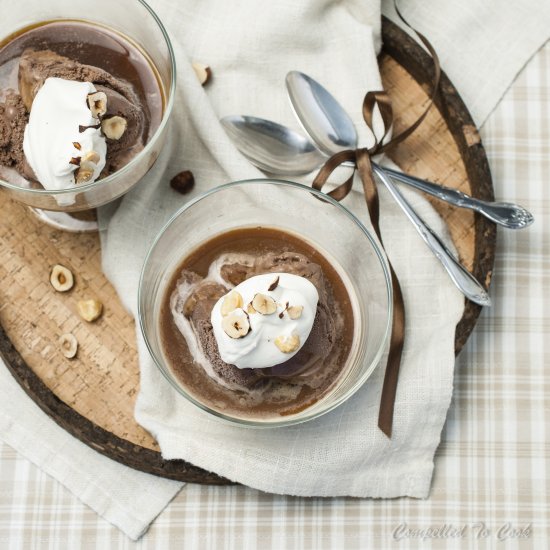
<point>491,482</point>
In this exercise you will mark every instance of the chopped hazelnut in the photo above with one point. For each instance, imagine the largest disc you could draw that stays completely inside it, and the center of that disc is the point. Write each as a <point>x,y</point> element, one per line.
<point>264,304</point>
<point>236,324</point>
<point>203,72</point>
<point>97,103</point>
<point>295,312</point>
<point>91,156</point>
<point>288,344</point>
<point>84,174</point>
<point>69,345</point>
<point>90,310</point>
<point>231,302</point>
<point>183,182</point>
<point>61,278</point>
<point>114,127</point>
<point>274,284</point>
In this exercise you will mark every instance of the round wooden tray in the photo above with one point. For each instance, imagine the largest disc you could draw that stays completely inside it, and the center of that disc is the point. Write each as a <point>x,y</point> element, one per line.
<point>93,396</point>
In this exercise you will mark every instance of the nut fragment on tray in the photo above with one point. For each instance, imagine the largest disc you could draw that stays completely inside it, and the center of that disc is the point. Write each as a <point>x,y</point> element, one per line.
<point>69,345</point>
<point>90,310</point>
<point>61,278</point>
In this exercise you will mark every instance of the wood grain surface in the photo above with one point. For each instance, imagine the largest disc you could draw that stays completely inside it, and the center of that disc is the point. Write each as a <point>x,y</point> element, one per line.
<point>93,395</point>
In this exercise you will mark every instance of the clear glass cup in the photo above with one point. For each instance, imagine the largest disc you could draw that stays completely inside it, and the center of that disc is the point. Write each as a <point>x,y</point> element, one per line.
<point>138,23</point>
<point>298,209</point>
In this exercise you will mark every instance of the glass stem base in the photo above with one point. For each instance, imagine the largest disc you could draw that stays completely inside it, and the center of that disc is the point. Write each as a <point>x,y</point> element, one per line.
<point>76,222</point>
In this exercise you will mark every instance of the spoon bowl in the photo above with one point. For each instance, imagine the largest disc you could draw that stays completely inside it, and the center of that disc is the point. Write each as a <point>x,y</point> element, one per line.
<point>330,127</point>
<point>322,117</point>
<point>272,147</point>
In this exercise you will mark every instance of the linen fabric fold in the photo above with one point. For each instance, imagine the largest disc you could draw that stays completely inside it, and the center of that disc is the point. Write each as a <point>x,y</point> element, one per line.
<point>343,452</point>
<point>128,499</point>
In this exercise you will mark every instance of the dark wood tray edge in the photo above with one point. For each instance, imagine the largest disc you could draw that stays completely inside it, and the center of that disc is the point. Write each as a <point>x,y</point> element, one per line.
<point>401,47</point>
<point>129,454</point>
<point>406,51</point>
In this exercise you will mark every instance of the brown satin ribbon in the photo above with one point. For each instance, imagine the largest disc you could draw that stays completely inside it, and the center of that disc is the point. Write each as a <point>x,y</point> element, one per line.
<point>362,162</point>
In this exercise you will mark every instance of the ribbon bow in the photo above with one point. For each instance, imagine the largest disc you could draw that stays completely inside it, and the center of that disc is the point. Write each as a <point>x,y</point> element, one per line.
<point>361,158</point>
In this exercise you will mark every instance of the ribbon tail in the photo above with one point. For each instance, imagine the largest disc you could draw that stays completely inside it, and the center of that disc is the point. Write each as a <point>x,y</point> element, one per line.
<point>391,377</point>
<point>362,160</point>
<point>397,339</point>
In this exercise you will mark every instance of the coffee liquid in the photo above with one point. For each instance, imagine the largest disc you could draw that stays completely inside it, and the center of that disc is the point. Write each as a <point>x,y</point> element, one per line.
<point>283,396</point>
<point>89,44</point>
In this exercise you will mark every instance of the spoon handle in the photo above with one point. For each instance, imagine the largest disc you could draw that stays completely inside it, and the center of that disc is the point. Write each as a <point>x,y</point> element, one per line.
<point>506,214</point>
<point>461,277</point>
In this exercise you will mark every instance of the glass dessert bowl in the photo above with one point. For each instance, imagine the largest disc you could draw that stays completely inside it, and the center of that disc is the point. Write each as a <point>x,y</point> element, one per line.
<point>269,312</point>
<point>104,79</point>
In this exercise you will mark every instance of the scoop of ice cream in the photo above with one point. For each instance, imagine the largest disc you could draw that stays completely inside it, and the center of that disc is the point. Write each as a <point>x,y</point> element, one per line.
<point>35,66</point>
<point>265,320</point>
<point>62,137</point>
<point>194,298</point>
<point>13,119</point>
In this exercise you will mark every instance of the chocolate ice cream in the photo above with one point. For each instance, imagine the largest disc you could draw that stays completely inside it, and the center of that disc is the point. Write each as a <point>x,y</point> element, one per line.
<point>197,299</point>
<point>36,66</point>
<point>192,351</point>
<point>13,119</point>
<point>75,52</point>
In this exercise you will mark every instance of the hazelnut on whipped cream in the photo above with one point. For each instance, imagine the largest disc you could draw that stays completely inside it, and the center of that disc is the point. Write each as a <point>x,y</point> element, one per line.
<point>63,142</point>
<point>265,320</point>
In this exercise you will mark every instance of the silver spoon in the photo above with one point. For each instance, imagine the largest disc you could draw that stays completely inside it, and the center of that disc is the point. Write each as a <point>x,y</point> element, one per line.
<point>272,147</point>
<point>267,145</point>
<point>332,130</point>
<point>461,277</point>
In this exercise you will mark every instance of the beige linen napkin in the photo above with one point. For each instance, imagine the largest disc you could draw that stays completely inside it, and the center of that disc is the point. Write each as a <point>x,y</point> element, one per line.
<point>128,499</point>
<point>482,45</point>
<point>342,453</point>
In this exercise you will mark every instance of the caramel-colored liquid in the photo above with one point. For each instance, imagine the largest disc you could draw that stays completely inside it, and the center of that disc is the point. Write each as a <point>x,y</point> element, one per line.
<point>89,44</point>
<point>276,402</point>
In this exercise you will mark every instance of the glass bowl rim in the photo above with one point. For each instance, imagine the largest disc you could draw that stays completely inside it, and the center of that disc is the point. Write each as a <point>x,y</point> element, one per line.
<point>299,418</point>
<point>148,145</point>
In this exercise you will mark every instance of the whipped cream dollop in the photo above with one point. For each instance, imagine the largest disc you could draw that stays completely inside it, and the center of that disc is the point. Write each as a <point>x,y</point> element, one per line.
<point>265,320</point>
<point>53,144</point>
